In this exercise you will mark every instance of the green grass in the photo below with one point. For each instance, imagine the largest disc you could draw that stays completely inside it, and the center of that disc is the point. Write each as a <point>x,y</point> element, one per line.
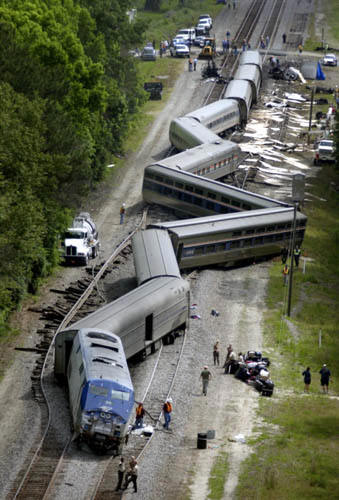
<point>331,10</point>
<point>297,454</point>
<point>218,477</point>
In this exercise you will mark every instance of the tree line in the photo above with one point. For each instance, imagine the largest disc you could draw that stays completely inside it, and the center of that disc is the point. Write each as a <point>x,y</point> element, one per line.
<point>68,93</point>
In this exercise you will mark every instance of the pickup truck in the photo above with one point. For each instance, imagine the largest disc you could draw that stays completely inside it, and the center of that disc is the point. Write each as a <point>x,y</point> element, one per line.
<point>324,152</point>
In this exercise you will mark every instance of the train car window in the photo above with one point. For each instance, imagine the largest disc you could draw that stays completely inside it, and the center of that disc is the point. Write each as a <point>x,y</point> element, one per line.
<point>247,242</point>
<point>149,327</point>
<point>235,244</point>
<point>211,195</point>
<point>81,368</point>
<point>187,197</point>
<point>279,237</point>
<point>103,346</point>
<point>179,185</point>
<point>269,238</point>
<point>188,252</point>
<point>246,207</point>
<point>270,228</point>
<point>123,396</point>
<point>281,226</point>
<point>102,336</point>
<point>236,233</point>
<point>220,247</point>
<point>189,188</point>
<point>258,241</point>
<point>159,178</point>
<point>228,245</point>
<point>199,191</point>
<point>224,210</point>
<point>199,172</point>
<point>210,205</point>
<point>167,190</point>
<point>148,175</point>
<point>236,203</point>
<point>225,200</point>
<point>98,390</point>
<point>106,361</point>
<point>199,250</point>
<point>197,201</point>
<point>169,182</point>
<point>210,248</point>
<point>250,231</point>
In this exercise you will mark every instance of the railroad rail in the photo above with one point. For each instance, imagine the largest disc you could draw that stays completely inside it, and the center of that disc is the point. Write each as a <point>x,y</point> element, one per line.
<point>154,396</point>
<point>46,457</point>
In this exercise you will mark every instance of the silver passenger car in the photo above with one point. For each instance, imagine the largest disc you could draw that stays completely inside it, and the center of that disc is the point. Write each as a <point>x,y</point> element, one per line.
<point>241,91</point>
<point>212,161</point>
<point>227,239</point>
<point>251,57</point>
<point>251,73</point>
<point>153,256</point>
<point>142,317</point>
<point>192,195</point>
<point>185,133</point>
<point>218,116</point>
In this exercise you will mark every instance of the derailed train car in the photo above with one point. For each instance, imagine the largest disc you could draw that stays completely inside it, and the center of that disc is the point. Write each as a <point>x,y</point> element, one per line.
<point>100,390</point>
<point>228,239</point>
<point>91,355</point>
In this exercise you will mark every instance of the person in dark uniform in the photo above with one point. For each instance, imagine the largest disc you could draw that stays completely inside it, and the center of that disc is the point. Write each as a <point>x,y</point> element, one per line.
<point>325,378</point>
<point>284,255</point>
<point>297,253</point>
<point>216,353</point>
<point>307,379</point>
<point>284,38</point>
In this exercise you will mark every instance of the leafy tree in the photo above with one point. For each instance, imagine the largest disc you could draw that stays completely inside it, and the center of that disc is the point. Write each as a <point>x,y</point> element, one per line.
<point>153,5</point>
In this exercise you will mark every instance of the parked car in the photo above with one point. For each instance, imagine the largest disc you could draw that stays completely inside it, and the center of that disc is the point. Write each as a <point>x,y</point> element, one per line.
<point>148,54</point>
<point>324,152</point>
<point>180,50</point>
<point>329,60</point>
<point>178,39</point>
<point>202,29</point>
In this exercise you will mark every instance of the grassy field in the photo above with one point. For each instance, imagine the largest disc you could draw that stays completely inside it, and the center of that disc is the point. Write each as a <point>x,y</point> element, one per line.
<point>296,456</point>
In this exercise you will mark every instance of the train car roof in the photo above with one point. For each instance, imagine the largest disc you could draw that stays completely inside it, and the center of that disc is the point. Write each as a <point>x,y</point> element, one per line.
<point>218,107</point>
<point>195,156</point>
<point>239,89</point>
<point>251,57</point>
<point>232,222</point>
<point>104,357</point>
<point>219,187</point>
<point>195,129</point>
<point>118,315</point>
<point>153,255</point>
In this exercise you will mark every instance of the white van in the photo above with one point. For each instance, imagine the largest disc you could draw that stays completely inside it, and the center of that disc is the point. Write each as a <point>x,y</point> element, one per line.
<point>187,33</point>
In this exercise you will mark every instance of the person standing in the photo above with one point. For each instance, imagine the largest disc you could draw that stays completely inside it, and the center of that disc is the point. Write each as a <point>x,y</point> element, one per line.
<point>121,473</point>
<point>190,64</point>
<point>285,273</point>
<point>228,34</point>
<point>167,409</point>
<point>307,379</point>
<point>300,48</point>
<point>195,62</point>
<point>139,416</point>
<point>206,376</point>
<point>297,253</point>
<point>232,359</point>
<point>122,213</point>
<point>267,41</point>
<point>224,43</point>
<point>284,37</point>
<point>325,378</point>
<point>216,353</point>
<point>284,255</point>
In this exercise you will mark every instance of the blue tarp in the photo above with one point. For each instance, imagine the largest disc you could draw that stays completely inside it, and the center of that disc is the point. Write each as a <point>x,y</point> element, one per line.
<point>320,74</point>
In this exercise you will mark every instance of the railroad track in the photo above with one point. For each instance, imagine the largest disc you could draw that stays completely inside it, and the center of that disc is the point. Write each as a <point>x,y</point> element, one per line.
<point>245,31</point>
<point>43,463</point>
<point>156,393</point>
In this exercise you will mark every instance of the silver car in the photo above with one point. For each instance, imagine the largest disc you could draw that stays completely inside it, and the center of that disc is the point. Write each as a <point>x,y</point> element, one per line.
<point>148,54</point>
<point>180,50</point>
<point>329,60</point>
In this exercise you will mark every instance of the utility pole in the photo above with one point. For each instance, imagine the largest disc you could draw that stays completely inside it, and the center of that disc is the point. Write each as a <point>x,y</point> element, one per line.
<point>310,117</point>
<point>298,193</point>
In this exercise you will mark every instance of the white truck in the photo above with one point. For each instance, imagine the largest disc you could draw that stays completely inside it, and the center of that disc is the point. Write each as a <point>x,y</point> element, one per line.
<point>81,241</point>
<point>324,152</point>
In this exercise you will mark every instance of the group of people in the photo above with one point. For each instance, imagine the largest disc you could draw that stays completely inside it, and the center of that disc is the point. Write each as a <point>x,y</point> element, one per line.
<point>325,376</point>
<point>140,413</point>
<point>192,64</point>
<point>130,476</point>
